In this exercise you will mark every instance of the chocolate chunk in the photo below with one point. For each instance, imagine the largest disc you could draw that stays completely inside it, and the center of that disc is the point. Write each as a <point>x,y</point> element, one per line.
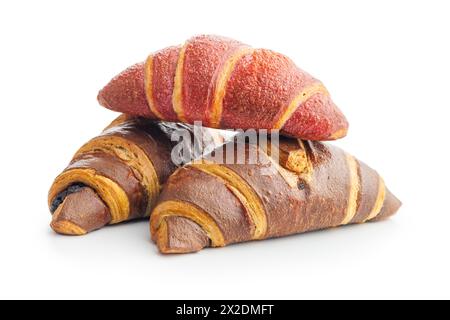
<point>62,195</point>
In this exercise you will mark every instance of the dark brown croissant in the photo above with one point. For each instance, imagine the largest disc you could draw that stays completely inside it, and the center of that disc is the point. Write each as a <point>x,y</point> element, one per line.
<point>314,186</point>
<point>116,176</point>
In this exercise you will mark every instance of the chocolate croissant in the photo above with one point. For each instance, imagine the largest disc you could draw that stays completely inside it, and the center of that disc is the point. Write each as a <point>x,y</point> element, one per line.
<point>226,84</point>
<point>313,186</point>
<point>116,176</point>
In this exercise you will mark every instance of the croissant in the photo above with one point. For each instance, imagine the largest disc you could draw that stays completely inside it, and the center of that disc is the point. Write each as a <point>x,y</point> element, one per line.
<point>116,176</point>
<point>313,186</point>
<point>226,84</point>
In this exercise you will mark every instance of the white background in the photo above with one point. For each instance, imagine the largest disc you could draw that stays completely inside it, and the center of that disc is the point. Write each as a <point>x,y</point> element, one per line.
<point>387,66</point>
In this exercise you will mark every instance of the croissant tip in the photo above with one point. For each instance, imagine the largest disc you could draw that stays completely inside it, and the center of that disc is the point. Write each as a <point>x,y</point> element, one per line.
<point>395,204</point>
<point>126,92</point>
<point>178,235</point>
<point>81,212</point>
<point>339,134</point>
<point>102,100</point>
<point>66,227</point>
<point>391,206</point>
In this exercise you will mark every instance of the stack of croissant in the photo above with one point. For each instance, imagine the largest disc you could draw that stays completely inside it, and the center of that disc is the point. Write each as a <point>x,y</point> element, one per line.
<point>128,171</point>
